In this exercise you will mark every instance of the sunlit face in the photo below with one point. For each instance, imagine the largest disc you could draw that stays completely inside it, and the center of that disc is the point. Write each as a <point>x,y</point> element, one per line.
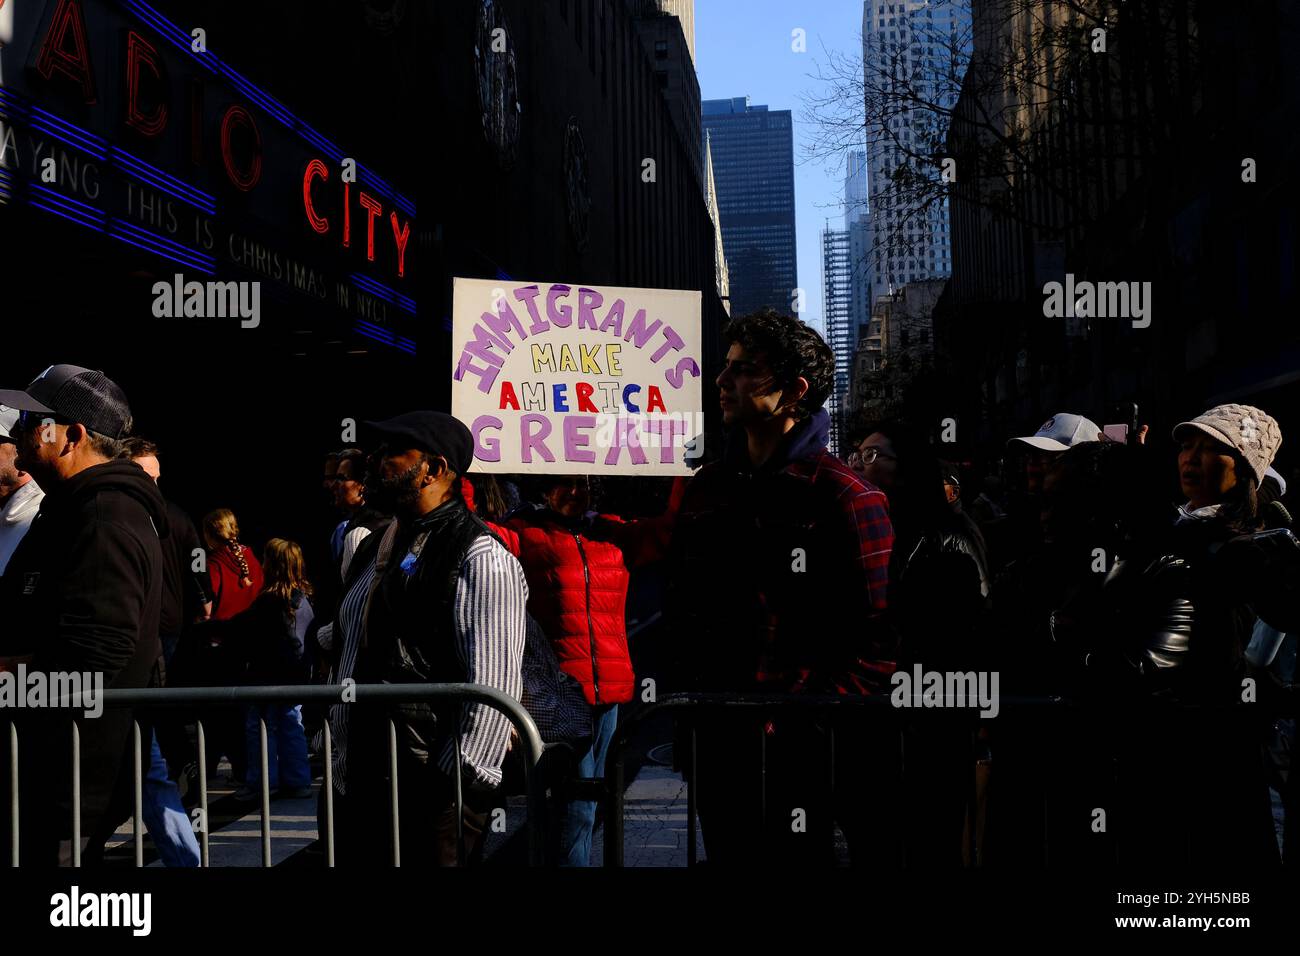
<point>349,490</point>
<point>879,463</point>
<point>8,468</point>
<point>748,393</point>
<point>1206,469</point>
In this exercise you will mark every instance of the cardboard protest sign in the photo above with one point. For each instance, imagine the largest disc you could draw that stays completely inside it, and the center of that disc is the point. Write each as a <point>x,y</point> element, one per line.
<point>572,379</point>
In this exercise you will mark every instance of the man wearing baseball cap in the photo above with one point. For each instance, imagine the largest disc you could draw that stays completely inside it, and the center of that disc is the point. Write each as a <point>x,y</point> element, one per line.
<point>81,594</point>
<point>446,605</point>
<point>1060,432</point>
<point>20,496</point>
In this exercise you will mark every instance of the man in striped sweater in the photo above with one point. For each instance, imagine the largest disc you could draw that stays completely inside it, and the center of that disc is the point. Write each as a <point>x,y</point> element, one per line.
<point>446,604</point>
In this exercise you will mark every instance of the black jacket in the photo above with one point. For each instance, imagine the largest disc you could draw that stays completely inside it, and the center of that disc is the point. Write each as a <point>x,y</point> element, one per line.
<point>83,593</point>
<point>184,591</point>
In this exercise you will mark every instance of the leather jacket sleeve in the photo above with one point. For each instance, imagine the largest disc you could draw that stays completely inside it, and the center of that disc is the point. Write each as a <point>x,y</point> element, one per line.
<point>1150,626</point>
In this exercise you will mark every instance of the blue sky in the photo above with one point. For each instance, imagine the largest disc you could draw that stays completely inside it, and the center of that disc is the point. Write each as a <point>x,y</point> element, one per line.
<point>743,48</point>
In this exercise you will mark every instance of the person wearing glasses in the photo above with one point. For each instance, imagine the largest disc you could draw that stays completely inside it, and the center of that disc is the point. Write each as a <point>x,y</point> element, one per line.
<point>939,584</point>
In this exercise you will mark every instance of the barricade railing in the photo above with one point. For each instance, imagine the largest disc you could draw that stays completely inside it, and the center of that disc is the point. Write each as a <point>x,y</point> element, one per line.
<point>691,710</point>
<point>352,695</point>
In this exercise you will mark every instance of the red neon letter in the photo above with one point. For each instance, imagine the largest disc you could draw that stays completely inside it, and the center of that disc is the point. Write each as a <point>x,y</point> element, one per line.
<point>242,180</point>
<point>140,52</point>
<point>401,238</point>
<point>314,168</point>
<point>74,62</point>
<point>347,215</point>
<point>374,209</point>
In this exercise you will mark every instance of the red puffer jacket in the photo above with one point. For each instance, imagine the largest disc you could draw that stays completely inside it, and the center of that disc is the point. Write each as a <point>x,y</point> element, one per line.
<point>577,591</point>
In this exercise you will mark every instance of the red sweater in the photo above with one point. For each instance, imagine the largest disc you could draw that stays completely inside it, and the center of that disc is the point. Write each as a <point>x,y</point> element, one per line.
<point>228,598</point>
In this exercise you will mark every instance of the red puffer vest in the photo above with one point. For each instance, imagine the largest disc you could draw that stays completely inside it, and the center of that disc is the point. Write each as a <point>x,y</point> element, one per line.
<point>577,591</point>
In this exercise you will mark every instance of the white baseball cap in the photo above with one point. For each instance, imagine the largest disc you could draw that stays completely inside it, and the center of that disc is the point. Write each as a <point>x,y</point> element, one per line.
<point>8,419</point>
<point>1060,432</point>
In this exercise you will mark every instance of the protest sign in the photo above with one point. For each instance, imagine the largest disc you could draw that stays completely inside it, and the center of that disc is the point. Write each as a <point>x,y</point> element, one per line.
<point>572,379</point>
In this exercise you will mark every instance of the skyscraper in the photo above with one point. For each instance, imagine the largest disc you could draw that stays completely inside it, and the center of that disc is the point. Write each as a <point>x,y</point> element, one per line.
<point>753,169</point>
<point>857,223</point>
<point>837,302</point>
<point>914,53</point>
<point>847,287</point>
<point>667,32</point>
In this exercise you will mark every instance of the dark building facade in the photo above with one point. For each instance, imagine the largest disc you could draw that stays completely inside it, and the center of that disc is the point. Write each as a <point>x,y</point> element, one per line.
<point>753,168</point>
<point>507,137</point>
<point>1146,164</point>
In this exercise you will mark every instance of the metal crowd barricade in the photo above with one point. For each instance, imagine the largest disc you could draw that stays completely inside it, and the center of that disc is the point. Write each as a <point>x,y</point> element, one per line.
<point>1020,714</point>
<point>691,705</point>
<point>358,695</point>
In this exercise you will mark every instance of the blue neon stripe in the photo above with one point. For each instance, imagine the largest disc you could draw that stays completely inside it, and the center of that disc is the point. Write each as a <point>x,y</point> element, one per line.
<point>169,31</point>
<point>72,203</point>
<point>47,122</point>
<point>186,261</point>
<point>381,291</point>
<point>178,184</point>
<point>377,331</point>
<point>159,249</point>
<point>70,140</point>
<point>159,252</point>
<point>72,128</point>
<point>165,183</point>
<point>72,206</point>
<point>63,215</point>
<point>166,243</point>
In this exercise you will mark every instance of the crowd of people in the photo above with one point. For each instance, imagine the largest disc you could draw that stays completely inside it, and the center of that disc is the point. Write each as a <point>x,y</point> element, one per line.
<point>1076,571</point>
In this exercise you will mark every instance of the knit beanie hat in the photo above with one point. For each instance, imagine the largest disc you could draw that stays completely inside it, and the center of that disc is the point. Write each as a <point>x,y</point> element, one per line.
<point>1247,430</point>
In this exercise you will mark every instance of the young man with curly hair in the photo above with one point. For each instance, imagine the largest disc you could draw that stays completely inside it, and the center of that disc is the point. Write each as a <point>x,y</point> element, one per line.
<point>780,557</point>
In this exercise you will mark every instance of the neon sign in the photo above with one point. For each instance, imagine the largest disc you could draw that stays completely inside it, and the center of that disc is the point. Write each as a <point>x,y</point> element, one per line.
<point>186,158</point>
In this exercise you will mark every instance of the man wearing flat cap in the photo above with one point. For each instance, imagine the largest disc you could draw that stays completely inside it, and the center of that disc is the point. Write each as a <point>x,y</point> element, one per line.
<point>81,594</point>
<point>447,605</point>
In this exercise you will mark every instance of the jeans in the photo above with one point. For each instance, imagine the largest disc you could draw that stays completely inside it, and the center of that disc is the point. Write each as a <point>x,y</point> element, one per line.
<point>577,818</point>
<point>164,816</point>
<point>286,746</point>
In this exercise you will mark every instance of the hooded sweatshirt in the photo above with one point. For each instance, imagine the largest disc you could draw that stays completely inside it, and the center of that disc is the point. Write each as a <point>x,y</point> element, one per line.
<point>16,515</point>
<point>83,593</point>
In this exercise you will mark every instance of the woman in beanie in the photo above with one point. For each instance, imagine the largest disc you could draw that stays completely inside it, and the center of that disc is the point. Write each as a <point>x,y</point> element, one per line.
<point>1223,455</point>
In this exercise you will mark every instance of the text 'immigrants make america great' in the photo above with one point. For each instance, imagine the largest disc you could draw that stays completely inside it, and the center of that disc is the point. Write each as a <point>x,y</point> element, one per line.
<point>574,379</point>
